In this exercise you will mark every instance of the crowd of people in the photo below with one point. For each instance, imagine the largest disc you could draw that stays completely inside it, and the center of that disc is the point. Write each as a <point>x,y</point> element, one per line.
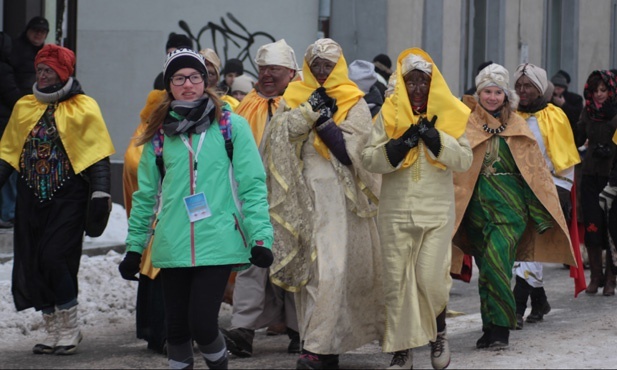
<point>333,202</point>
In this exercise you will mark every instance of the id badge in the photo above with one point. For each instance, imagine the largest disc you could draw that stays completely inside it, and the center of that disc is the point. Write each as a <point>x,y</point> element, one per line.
<point>197,207</point>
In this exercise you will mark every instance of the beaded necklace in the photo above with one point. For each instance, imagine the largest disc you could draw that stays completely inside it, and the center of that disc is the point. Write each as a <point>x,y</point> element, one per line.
<point>495,131</point>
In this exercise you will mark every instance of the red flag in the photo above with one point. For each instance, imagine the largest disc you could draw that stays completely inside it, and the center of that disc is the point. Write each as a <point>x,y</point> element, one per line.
<point>576,272</point>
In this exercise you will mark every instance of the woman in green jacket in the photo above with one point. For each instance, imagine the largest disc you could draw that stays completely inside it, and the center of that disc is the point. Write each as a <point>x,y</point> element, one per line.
<point>211,203</point>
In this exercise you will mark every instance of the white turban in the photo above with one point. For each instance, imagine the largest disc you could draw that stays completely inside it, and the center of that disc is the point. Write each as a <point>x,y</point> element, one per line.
<point>496,75</point>
<point>413,61</point>
<point>536,74</point>
<point>278,54</point>
<point>362,73</point>
<point>325,49</point>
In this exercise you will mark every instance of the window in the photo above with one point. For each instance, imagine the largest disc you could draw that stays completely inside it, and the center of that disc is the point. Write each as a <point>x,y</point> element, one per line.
<point>561,39</point>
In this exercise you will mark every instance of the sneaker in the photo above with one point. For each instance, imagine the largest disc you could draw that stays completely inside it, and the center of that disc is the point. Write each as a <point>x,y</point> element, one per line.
<point>440,351</point>
<point>485,339</point>
<point>400,358</point>
<point>309,360</point>
<point>519,322</point>
<point>239,341</point>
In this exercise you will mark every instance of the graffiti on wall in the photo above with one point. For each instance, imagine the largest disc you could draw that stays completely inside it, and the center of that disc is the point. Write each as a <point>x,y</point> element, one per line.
<point>221,37</point>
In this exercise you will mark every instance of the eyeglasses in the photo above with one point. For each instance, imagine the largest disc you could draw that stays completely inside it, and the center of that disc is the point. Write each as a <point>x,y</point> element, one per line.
<point>179,80</point>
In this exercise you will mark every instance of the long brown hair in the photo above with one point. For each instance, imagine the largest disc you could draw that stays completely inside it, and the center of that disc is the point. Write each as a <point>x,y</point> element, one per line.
<point>156,119</point>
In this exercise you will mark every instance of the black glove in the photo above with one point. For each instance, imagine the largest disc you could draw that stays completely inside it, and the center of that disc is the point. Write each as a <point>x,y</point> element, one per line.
<point>129,267</point>
<point>322,103</point>
<point>261,256</point>
<point>97,214</point>
<point>430,135</point>
<point>397,149</point>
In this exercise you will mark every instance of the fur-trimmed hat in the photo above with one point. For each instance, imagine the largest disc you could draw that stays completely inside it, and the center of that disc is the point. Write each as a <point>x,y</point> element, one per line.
<point>183,58</point>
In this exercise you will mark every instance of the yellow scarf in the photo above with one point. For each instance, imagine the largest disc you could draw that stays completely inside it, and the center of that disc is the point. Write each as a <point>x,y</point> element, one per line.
<point>254,108</point>
<point>558,138</point>
<point>80,125</point>
<point>397,114</point>
<point>338,86</point>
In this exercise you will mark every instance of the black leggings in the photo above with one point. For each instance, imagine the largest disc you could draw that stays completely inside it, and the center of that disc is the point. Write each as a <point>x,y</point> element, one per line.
<point>192,297</point>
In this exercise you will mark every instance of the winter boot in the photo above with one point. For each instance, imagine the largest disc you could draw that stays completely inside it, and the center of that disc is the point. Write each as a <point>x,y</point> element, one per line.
<point>70,335</point>
<point>294,341</point>
<point>485,339</point>
<point>215,353</point>
<point>500,337</point>
<point>51,339</point>
<point>595,266</point>
<point>239,341</point>
<point>609,282</point>
<point>310,360</point>
<point>440,351</point>
<point>400,359</point>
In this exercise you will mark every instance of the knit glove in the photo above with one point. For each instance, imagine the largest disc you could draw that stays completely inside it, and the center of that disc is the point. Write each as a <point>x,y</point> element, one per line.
<point>322,103</point>
<point>606,197</point>
<point>397,149</point>
<point>430,135</point>
<point>261,256</point>
<point>129,267</point>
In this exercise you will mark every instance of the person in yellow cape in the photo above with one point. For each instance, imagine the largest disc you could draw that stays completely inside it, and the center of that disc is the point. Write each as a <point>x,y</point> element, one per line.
<point>323,203</point>
<point>551,128</point>
<point>417,142</point>
<point>56,139</point>
<point>505,207</point>
<point>257,303</point>
<point>213,65</point>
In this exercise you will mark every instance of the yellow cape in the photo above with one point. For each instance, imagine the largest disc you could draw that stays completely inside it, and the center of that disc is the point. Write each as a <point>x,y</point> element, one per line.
<point>80,125</point>
<point>233,102</point>
<point>558,137</point>
<point>338,86</point>
<point>452,114</point>
<point>254,108</point>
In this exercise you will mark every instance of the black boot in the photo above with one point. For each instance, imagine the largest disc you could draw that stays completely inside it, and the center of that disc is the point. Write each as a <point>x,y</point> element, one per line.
<point>294,341</point>
<point>485,339</point>
<point>500,336</point>
<point>539,305</point>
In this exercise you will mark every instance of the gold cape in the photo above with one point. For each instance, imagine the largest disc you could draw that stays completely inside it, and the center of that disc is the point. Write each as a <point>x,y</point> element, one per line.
<point>397,114</point>
<point>338,86</point>
<point>551,246</point>
<point>233,102</point>
<point>558,137</point>
<point>80,126</point>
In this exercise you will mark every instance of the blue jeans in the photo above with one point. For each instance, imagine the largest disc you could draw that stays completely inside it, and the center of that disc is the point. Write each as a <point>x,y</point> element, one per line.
<point>8,194</point>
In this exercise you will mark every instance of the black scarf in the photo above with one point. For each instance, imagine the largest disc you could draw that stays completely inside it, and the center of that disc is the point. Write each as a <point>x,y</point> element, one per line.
<point>534,106</point>
<point>189,117</point>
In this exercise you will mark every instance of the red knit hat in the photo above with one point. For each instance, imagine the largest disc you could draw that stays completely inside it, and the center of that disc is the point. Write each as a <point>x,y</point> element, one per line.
<point>58,58</point>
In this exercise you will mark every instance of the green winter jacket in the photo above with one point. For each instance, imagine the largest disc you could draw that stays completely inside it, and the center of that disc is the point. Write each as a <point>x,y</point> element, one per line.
<point>236,223</point>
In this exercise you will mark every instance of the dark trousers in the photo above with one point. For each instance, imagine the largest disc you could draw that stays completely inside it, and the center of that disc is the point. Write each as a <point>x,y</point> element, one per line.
<point>193,297</point>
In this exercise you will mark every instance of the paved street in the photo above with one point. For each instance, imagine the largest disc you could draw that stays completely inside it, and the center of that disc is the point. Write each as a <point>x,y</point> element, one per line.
<point>578,333</point>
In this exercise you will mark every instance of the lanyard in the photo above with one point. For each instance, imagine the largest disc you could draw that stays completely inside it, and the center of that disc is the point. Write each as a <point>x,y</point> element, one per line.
<point>188,145</point>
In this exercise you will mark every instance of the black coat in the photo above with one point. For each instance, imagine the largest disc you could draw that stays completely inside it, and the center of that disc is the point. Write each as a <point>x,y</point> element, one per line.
<point>572,107</point>
<point>601,150</point>
<point>22,60</point>
<point>9,92</point>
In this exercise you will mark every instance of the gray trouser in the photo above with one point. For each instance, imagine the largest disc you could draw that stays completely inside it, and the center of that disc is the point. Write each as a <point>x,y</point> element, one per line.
<point>258,303</point>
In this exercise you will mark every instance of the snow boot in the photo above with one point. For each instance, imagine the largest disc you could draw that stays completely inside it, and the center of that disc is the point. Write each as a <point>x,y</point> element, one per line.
<point>70,335</point>
<point>51,339</point>
<point>609,283</point>
<point>440,351</point>
<point>595,266</point>
<point>400,359</point>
